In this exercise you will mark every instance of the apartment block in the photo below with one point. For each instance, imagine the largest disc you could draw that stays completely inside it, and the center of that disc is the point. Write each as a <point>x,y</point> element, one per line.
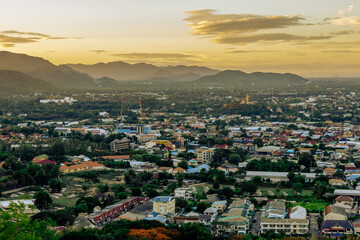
<point>164,205</point>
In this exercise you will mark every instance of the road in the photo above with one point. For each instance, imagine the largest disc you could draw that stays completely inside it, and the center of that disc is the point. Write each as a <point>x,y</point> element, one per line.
<point>314,226</point>
<point>255,226</point>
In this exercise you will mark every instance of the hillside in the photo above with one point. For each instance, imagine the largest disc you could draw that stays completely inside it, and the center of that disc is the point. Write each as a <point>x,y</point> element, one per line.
<point>122,71</point>
<point>106,82</point>
<point>12,82</point>
<point>59,76</point>
<point>239,78</point>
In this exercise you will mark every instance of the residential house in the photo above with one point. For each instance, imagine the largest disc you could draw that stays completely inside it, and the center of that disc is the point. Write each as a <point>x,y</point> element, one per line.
<point>329,171</point>
<point>219,205</point>
<point>337,182</point>
<point>179,170</point>
<point>85,166</point>
<point>346,200</point>
<point>337,228</point>
<point>298,212</point>
<point>184,192</point>
<point>165,169</point>
<point>332,212</point>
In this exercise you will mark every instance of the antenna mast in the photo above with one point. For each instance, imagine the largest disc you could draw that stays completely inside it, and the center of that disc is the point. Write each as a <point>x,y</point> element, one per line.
<point>122,103</point>
<point>141,116</point>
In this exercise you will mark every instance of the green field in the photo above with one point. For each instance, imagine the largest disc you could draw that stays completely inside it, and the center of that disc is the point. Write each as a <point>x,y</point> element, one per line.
<point>64,201</point>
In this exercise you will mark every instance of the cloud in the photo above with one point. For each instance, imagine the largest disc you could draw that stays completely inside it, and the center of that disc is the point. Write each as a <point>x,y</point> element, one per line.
<point>154,55</point>
<point>206,22</point>
<point>344,32</point>
<point>342,51</point>
<point>241,29</point>
<point>265,37</point>
<point>251,51</point>
<point>341,21</point>
<point>10,38</point>
<point>98,51</point>
<point>345,11</point>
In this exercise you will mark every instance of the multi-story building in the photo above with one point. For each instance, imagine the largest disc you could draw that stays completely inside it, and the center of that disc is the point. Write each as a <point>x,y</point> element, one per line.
<point>204,155</point>
<point>289,226</point>
<point>237,219</point>
<point>164,205</point>
<point>274,218</point>
<point>118,145</point>
<point>146,138</point>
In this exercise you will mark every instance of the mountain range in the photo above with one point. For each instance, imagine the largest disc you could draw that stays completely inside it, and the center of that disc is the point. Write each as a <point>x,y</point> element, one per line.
<point>22,72</point>
<point>122,71</point>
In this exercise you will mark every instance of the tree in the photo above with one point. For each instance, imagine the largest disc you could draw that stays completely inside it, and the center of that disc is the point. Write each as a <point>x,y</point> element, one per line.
<point>42,199</point>
<point>257,180</point>
<point>81,208</point>
<point>90,202</point>
<point>58,149</point>
<point>62,217</point>
<point>171,187</point>
<point>85,187</point>
<point>297,187</point>
<point>195,231</point>
<point>55,185</point>
<point>88,234</point>
<point>151,193</point>
<point>249,187</point>
<point>15,224</point>
<point>225,193</point>
<point>180,178</point>
<point>307,160</point>
<point>202,206</point>
<point>135,191</point>
<point>180,203</point>
<point>122,195</point>
<point>234,158</point>
<point>216,184</point>
<point>319,189</point>
<point>183,164</point>
<point>102,188</point>
<point>258,142</point>
<point>91,176</point>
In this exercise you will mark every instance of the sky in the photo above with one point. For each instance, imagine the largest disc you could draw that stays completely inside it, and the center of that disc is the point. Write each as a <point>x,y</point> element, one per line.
<point>313,38</point>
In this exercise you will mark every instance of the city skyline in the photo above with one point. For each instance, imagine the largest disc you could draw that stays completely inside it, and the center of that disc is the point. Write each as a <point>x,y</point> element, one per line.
<point>302,37</point>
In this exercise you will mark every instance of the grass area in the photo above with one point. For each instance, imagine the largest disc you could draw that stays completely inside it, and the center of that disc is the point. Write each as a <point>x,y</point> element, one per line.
<point>64,201</point>
<point>312,206</point>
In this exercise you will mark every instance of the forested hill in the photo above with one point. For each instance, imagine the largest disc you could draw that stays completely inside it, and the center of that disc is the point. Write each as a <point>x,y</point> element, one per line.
<point>234,77</point>
<point>13,82</point>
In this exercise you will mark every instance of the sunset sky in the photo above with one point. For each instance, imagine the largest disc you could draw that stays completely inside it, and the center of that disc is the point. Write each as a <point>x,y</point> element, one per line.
<point>307,37</point>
